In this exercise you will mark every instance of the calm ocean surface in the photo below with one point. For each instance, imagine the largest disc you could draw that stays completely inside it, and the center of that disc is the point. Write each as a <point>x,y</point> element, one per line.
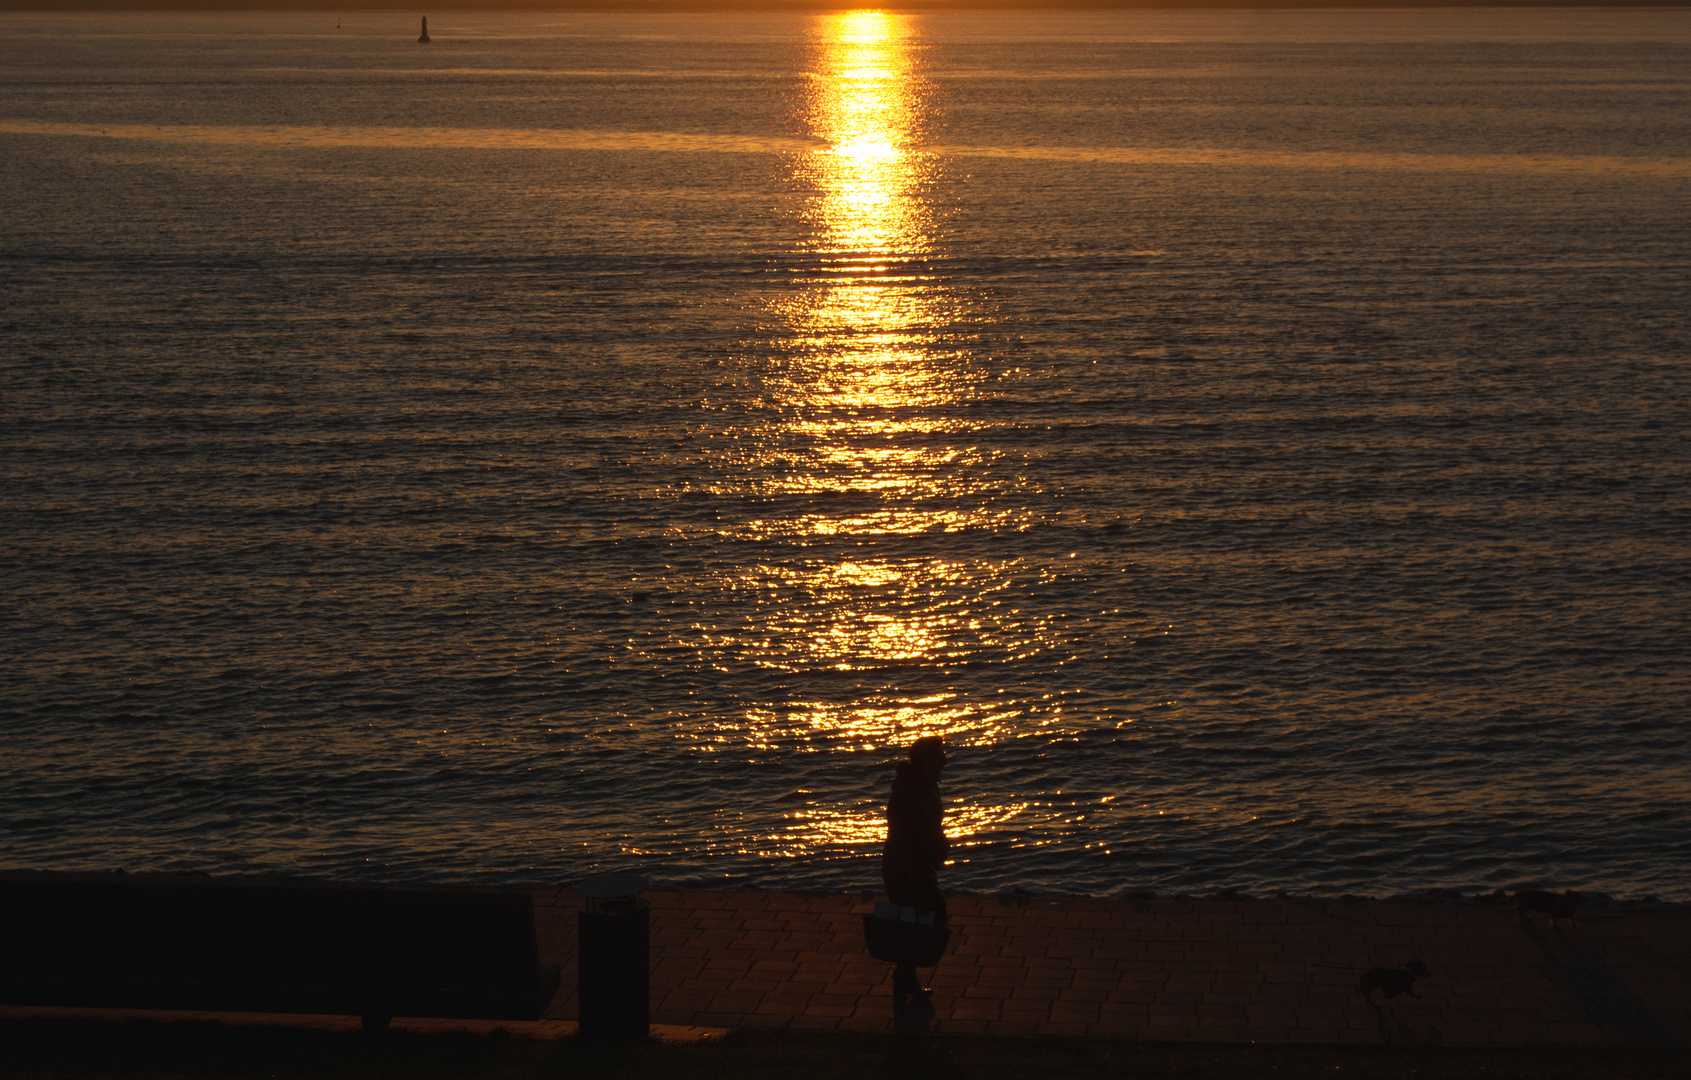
<point>1258,442</point>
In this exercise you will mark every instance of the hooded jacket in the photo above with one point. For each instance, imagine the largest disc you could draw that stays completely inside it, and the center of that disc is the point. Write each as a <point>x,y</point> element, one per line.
<point>915,819</point>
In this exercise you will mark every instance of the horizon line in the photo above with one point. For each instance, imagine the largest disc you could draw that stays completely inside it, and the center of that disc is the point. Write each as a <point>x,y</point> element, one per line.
<point>59,7</point>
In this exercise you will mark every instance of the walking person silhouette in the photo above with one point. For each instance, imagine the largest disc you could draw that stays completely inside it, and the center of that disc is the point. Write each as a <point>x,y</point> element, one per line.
<point>915,850</point>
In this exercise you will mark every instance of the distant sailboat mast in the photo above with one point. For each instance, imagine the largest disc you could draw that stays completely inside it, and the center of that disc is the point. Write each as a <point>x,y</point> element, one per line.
<point>425,38</point>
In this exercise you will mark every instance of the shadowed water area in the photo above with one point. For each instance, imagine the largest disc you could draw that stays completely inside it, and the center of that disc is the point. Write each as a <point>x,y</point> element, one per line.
<point>1257,442</point>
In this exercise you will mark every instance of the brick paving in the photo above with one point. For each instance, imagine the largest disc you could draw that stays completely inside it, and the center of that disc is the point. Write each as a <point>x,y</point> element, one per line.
<point>1241,971</point>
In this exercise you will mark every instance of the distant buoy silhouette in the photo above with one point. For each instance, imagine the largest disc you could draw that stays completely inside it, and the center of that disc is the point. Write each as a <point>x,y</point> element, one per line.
<point>425,38</point>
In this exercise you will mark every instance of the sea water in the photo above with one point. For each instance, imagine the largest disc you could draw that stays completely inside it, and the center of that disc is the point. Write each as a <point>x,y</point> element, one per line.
<point>1257,442</point>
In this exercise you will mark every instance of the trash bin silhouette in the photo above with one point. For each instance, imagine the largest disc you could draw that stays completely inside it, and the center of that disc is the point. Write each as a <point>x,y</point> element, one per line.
<point>614,958</point>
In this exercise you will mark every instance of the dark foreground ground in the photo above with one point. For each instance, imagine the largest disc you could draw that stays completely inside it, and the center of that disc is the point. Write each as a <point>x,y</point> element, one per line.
<point>38,1048</point>
<point>754,984</point>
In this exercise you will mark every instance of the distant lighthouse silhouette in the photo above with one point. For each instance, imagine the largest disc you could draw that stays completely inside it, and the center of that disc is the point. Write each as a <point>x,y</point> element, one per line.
<point>425,38</point>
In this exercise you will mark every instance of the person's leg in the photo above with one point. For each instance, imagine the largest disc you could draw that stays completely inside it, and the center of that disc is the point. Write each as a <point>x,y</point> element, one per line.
<point>917,887</point>
<point>905,982</point>
<point>912,1011</point>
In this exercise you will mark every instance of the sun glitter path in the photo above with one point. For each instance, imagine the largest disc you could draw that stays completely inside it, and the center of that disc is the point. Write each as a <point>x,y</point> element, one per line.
<point>1168,970</point>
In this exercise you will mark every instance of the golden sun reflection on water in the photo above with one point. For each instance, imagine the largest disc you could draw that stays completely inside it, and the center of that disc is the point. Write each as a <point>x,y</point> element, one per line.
<point>865,105</point>
<point>869,409</point>
<point>868,441</point>
<point>827,827</point>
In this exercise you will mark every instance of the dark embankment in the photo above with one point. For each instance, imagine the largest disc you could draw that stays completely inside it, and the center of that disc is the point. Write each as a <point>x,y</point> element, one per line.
<point>66,1049</point>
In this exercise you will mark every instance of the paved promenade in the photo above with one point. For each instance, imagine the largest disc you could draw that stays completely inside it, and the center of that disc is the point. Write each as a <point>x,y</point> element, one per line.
<point>1241,971</point>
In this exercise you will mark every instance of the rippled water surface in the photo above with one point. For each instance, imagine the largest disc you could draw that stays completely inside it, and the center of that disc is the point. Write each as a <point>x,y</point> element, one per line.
<point>1258,442</point>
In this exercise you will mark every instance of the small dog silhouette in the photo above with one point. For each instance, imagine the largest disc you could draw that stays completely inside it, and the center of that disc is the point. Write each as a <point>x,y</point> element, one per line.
<point>1392,981</point>
<point>1557,907</point>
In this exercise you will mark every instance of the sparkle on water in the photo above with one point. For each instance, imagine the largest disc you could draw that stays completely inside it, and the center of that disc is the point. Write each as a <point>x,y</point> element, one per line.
<point>1253,440</point>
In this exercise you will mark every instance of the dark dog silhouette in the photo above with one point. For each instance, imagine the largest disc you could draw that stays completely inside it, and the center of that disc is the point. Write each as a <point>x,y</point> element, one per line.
<point>1392,981</point>
<point>1557,907</point>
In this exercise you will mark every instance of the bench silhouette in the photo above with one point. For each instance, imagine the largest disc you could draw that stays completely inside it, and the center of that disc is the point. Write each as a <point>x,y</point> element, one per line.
<point>238,946</point>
